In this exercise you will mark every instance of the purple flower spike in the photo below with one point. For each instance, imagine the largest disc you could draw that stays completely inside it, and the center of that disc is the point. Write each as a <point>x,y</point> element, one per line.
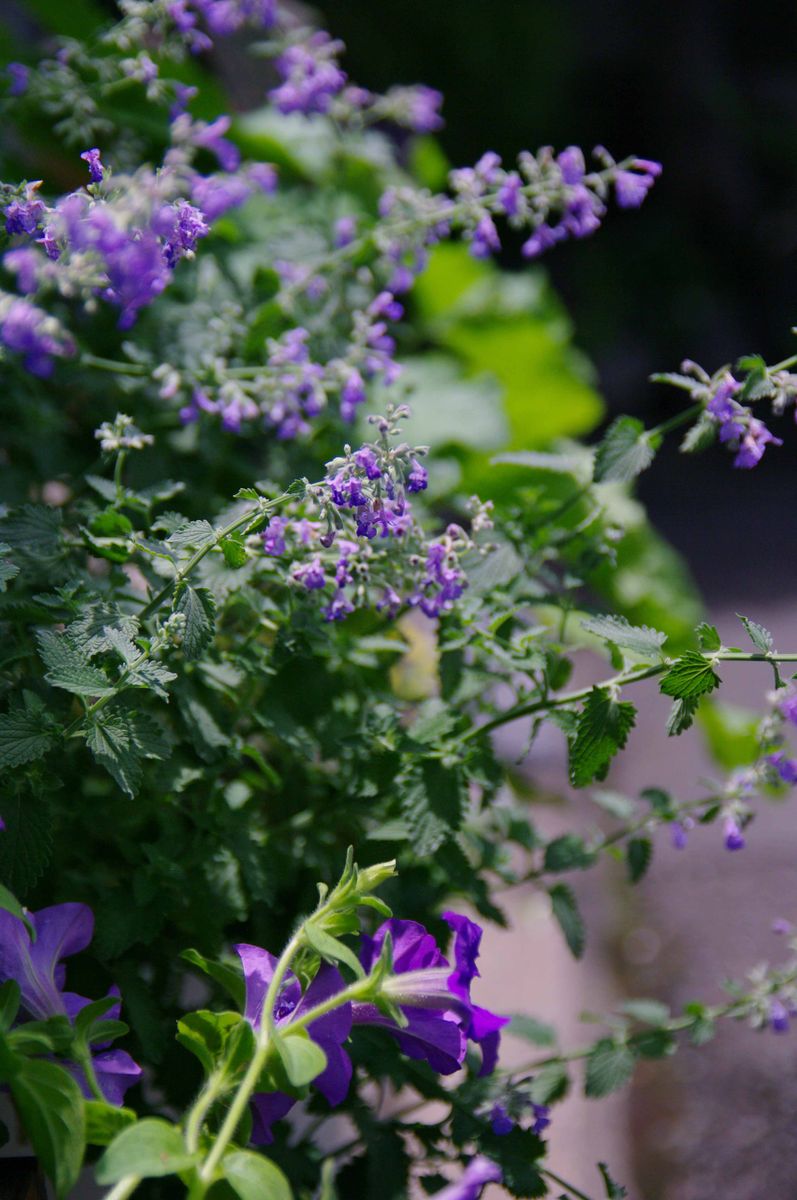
<point>631,187</point>
<point>785,767</point>
<point>329,1032</point>
<point>788,707</point>
<point>478,1172</point>
<point>96,170</point>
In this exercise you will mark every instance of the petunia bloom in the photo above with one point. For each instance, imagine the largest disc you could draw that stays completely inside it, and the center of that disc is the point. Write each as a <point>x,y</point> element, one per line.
<point>328,1032</point>
<point>478,1172</point>
<point>435,999</point>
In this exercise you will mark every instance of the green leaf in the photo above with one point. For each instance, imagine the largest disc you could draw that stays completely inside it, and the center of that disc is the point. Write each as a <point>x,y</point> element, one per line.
<point>24,733</point>
<point>194,535</point>
<point>602,729</point>
<point>234,551</point>
<point>35,530</point>
<point>120,740</point>
<point>639,640</point>
<point>8,570</point>
<point>565,909</point>
<point>567,853</point>
<point>614,803</point>
<point>700,436</point>
<point>550,1083</point>
<point>226,975</point>
<point>10,996</point>
<point>301,1057</point>
<point>10,904</point>
<point>648,1012</point>
<point>26,843</point>
<point>614,1191</point>
<point>68,666</point>
<point>638,854</point>
<point>708,637</point>
<point>626,451</point>
<point>681,715</point>
<point>760,637</point>
<point>609,1067</point>
<point>332,949</point>
<point>50,1107</point>
<point>151,1148</point>
<point>531,1030</point>
<point>731,733</point>
<point>253,1177</point>
<point>198,606</point>
<point>206,1033</point>
<point>105,1121</point>
<point>690,676</point>
<point>655,1043</point>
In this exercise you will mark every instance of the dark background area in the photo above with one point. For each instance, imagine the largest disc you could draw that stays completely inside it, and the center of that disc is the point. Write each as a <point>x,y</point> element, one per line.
<point>706,269</point>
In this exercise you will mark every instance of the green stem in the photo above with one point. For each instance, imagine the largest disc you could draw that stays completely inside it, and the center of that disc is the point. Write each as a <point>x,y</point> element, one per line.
<point>681,418</point>
<point>117,476</point>
<point>617,681</point>
<point>557,1179</point>
<point>199,1110</point>
<point>124,1188</point>
<point>111,365</point>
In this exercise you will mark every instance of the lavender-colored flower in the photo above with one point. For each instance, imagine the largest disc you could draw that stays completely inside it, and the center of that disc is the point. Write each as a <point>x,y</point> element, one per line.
<point>542,239</point>
<point>541,1114</point>
<point>345,232</point>
<point>785,767</point>
<point>311,75</point>
<point>224,17</point>
<point>37,966</point>
<point>329,1032</point>
<point>352,394</point>
<point>781,926</point>
<point>418,478</point>
<point>778,1016</point>
<point>479,1171</point>
<point>211,137</point>
<point>217,194</point>
<point>753,443</point>
<point>416,108</point>
<point>732,832</point>
<point>338,608</point>
<point>181,226</point>
<point>509,194</point>
<point>484,239</point>
<point>24,216</point>
<point>571,164</point>
<point>678,835</point>
<point>274,536</point>
<point>366,460</point>
<point>19,77</point>
<point>311,574</point>
<point>788,706</point>
<point>631,187</point>
<point>27,330</point>
<point>434,998</point>
<point>500,1120</point>
<point>96,169</point>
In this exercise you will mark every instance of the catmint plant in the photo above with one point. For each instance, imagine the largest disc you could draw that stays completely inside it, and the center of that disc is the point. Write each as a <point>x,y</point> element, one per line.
<point>286,535</point>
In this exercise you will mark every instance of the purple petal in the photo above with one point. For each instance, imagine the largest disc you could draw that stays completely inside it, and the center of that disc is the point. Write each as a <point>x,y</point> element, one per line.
<point>434,1036</point>
<point>477,1173</point>
<point>116,1071</point>
<point>258,967</point>
<point>268,1107</point>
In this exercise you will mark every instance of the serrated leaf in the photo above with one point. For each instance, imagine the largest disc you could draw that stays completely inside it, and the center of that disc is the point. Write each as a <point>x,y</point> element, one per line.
<point>681,716</point>
<point>609,1067</point>
<point>194,535</point>
<point>253,1177</point>
<point>120,740</point>
<point>34,530</point>
<point>625,452</point>
<point>25,734</point>
<point>690,676</point>
<point>152,675</point>
<point>234,551</point>
<point>639,640</point>
<point>760,637</point>
<point>50,1107</point>
<point>602,729</point>
<point>550,1083</point>
<point>614,803</point>
<point>708,637</point>
<point>26,842</point>
<point>198,606</point>
<point>567,853</point>
<point>700,436</point>
<point>648,1012</point>
<point>69,667</point>
<point>8,569</point>
<point>565,909</point>
<point>101,627</point>
<point>638,854</point>
<point>151,1148</point>
<point>539,1033</point>
<point>614,1191</point>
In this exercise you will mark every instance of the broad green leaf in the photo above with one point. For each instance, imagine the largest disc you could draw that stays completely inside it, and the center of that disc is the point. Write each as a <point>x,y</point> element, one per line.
<point>550,1083</point>
<point>234,551</point>
<point>760,637</point>
<point>254,1177</point>
<point>708,637</point>
<point>681,715</point>
<point>302,1059</point>
<point>332,949</point>
<point>648,1012</point>
<point>198,606</point>
<point>205,1034</point>
<point>565,909</point>
<point>638,854</point>
<point>105,1121</point>
<point>639,640</point>
<point>50,1106</point>
<point>24,733</point>
<point>626,451</point>
<point>602,729</point>
<point>609,1067</point>
<point>531,1030</point>
<point>120,740</point>
<point>34,530</point>
<point>690,676</point>
<point>151,1148</point>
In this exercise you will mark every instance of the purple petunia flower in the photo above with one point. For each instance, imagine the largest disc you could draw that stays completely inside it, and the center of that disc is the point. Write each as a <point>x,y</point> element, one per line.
<point>434,998</point>
<point>478,1172</point>
<point>61,930</point>
<point>329,1032</point>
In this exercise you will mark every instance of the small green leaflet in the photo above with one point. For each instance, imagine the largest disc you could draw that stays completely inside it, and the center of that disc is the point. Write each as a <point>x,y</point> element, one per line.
<point>531,1030</point>
<point>626,451</point>
<point>253,1177</point>
<point>760,637</point>
<point>638,855</point>
<point>105,1121</point>
<point>192,536</point>
<point>8,570</point>
<point>120,740</point>
<point>198,606</point>
<point>565,909</point>
<point>639,640</point>
<point>690,676</point>
<point>602,729</point>
<point>609,1067</point>
<point>567,853</point>
<point>614,1191</point>
<point>681,715</point>
<point>24,733</point>
<point>701,435</point>
<point>301,1058</point>
<point>648,1012</point>
<point>708,637</point>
